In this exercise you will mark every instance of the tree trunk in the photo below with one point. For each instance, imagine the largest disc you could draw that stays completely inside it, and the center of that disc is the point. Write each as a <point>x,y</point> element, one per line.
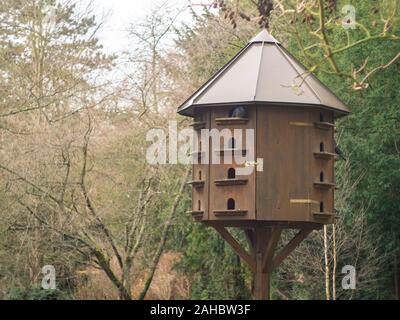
<point>164,235</point>
<point>396,277</point>
<point>327,290</point>
<point>334,262</point>
<point>104,264</point>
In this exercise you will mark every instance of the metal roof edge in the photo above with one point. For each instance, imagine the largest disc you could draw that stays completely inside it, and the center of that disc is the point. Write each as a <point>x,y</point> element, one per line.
<point>214,77</point>
<point>265,39</point>
<point>338,112</point>
<point>315,77</point>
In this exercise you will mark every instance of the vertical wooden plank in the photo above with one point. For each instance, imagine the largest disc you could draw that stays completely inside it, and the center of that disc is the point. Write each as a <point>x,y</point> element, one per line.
<point>300,155</point>
<point>270,249</point>
<point>284,144</point>
<point>261,278</point>
<point>244,195</point>
<point>322,165</point>
<point>201,194</point>
<point>261,281</point>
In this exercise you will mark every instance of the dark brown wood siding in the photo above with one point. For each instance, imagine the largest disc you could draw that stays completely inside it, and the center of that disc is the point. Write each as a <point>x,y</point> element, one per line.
<point>244,195</point>
<point>286,140</point>
<point>201,194</point>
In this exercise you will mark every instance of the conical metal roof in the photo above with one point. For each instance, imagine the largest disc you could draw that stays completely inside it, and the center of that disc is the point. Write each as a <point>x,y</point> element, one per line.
<point>263,72</point>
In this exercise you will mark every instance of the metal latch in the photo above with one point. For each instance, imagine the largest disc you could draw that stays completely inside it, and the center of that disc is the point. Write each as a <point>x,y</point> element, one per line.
<point>259,164</point>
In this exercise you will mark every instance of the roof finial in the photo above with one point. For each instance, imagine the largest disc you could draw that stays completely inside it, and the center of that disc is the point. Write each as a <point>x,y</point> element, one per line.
<point>264,36</point>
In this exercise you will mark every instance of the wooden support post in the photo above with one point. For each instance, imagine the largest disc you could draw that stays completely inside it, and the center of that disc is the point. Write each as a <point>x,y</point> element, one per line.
<point>270,249</point>
<point>263,242</point>
<point>261,281</point>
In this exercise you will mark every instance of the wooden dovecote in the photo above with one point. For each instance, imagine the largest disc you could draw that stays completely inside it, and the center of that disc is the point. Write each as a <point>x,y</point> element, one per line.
<point>292,114</point>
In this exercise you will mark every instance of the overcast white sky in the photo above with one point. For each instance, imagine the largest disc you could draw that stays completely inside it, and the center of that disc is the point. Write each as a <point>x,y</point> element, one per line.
<point>121,13</point>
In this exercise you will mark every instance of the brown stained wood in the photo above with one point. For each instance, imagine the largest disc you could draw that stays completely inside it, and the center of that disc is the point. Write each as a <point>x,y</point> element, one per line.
<point>262,240</point>
<point>229,213</point>
<point>244,195</point>
<point>322,193</point>
<point>287,154</point>
<point>331,204</point>
<point>248,223</point>
<point>324,125</point>
<point>236,246</point>
<point>262,236</point>
<point>324,155</point>
<point>197,154</point>
<point>197,215</point>
<point>200,172</point>
<point>324,215</point>
<point>288,249</point>
<point>262,281</point>
<point>231,121</point>
<point>270,249</point>
<point>296,187</point>
<point>194,212</point>
<point>233,151</point>
<point>324,185</point>
<point>230,182</point>
<point>294,155</point>
<point>196,183</point>
<point>198,125</point>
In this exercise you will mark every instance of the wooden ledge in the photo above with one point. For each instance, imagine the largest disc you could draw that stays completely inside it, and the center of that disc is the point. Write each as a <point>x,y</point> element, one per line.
<point>323,215</point>
<point>230,121</point>
<point>230,213</point>
<point>230,182</point>
<point>197,154</point>
<point>324,185</point>
<point>232,150</point>
<point>198,125</point>
<point>324,125</point>
<point>197,183</point>
<point>324,155</point>
<point>196,214</point>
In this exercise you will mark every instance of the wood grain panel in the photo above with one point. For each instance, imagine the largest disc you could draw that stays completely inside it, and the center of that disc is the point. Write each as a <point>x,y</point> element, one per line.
<point>201,194</point>
<point>323,165</point>
<point>284,141</point>
<point>244,195</point>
